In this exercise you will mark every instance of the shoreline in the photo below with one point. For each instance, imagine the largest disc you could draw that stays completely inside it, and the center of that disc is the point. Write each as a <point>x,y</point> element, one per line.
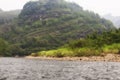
<point>105,58</point>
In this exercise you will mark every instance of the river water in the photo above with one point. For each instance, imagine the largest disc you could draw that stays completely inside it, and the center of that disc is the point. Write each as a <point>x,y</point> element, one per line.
<point>36,69</point>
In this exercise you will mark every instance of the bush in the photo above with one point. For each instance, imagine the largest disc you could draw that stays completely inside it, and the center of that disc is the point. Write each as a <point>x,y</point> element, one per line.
<point>114,48</point>
<point>50,53</point>
<point>34,54</point>
<point>56,53</point>
<point>65,52</point>
<point>86,52</point>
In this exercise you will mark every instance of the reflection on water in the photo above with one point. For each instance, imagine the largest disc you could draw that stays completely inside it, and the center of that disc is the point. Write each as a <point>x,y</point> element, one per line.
<point>31,69</point>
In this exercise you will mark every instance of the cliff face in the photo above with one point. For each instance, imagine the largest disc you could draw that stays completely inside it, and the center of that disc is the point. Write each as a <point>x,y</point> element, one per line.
<point>47,9</point>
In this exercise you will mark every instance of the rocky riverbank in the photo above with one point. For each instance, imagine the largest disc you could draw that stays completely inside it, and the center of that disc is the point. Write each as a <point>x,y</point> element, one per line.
<point>107,57</point>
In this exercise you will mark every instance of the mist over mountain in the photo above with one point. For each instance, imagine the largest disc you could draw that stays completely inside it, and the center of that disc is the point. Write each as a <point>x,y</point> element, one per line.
<point>7,16</point>
<point>114,19</point>
<point>1,10</point>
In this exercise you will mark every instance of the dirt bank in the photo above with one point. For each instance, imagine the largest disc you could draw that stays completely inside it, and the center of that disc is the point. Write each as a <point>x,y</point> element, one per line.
<point>107,57</point>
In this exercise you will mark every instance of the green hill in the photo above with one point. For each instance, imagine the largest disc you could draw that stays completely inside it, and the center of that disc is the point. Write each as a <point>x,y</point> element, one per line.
<point>48,24</point>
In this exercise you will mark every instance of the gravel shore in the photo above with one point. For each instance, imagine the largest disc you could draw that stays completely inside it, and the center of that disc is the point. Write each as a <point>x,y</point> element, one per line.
<point>107,57</point>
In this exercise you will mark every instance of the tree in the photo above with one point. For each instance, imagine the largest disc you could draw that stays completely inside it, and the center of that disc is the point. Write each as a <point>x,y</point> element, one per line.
<point>3,47</point>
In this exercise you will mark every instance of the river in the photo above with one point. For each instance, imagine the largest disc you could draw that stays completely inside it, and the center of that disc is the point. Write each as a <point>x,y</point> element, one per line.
<point>36,69</point>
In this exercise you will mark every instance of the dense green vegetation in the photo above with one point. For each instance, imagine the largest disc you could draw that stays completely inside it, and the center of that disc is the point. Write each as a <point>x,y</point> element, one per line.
<point>45,25</point>
<point>93,45</point>
<point>3,48</point>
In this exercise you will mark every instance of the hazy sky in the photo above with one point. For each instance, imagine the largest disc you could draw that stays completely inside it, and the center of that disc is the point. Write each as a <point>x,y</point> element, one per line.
<point>99,6</point>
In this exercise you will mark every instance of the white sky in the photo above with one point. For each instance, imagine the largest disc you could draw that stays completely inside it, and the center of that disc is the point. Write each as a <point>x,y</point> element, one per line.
<point>12,4</point>
<point>99,6</point>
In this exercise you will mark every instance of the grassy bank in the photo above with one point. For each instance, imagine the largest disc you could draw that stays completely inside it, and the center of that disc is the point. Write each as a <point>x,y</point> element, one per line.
<point>65,52</point>
<point>79,52</point>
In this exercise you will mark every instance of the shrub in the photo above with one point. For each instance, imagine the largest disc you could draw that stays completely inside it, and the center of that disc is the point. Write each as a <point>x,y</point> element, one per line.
<point>86,52</point>
<point>34,54</point>
<point>114,48</point>
<point>66,52</point>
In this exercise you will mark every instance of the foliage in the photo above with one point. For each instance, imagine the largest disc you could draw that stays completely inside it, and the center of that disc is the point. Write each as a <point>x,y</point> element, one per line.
<point>114,48</point>
<point>3,48</point>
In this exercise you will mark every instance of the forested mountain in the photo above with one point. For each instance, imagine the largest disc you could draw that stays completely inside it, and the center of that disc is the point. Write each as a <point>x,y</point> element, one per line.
<point>114,19</point>
<point>8,16</point>
<point>48,24</point>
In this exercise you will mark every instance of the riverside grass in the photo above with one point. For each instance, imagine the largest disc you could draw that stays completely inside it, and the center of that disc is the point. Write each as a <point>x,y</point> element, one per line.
<point>79,52</point>
<point>114,48</point>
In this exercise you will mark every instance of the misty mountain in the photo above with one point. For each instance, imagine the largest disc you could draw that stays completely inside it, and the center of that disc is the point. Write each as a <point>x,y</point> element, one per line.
<point>7,16</point>
<point>114,19</point>
<point>1,10</point>
<point>48,24</point>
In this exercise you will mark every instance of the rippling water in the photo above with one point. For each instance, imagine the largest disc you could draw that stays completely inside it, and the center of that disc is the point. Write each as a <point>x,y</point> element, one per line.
<point>35,69</point>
